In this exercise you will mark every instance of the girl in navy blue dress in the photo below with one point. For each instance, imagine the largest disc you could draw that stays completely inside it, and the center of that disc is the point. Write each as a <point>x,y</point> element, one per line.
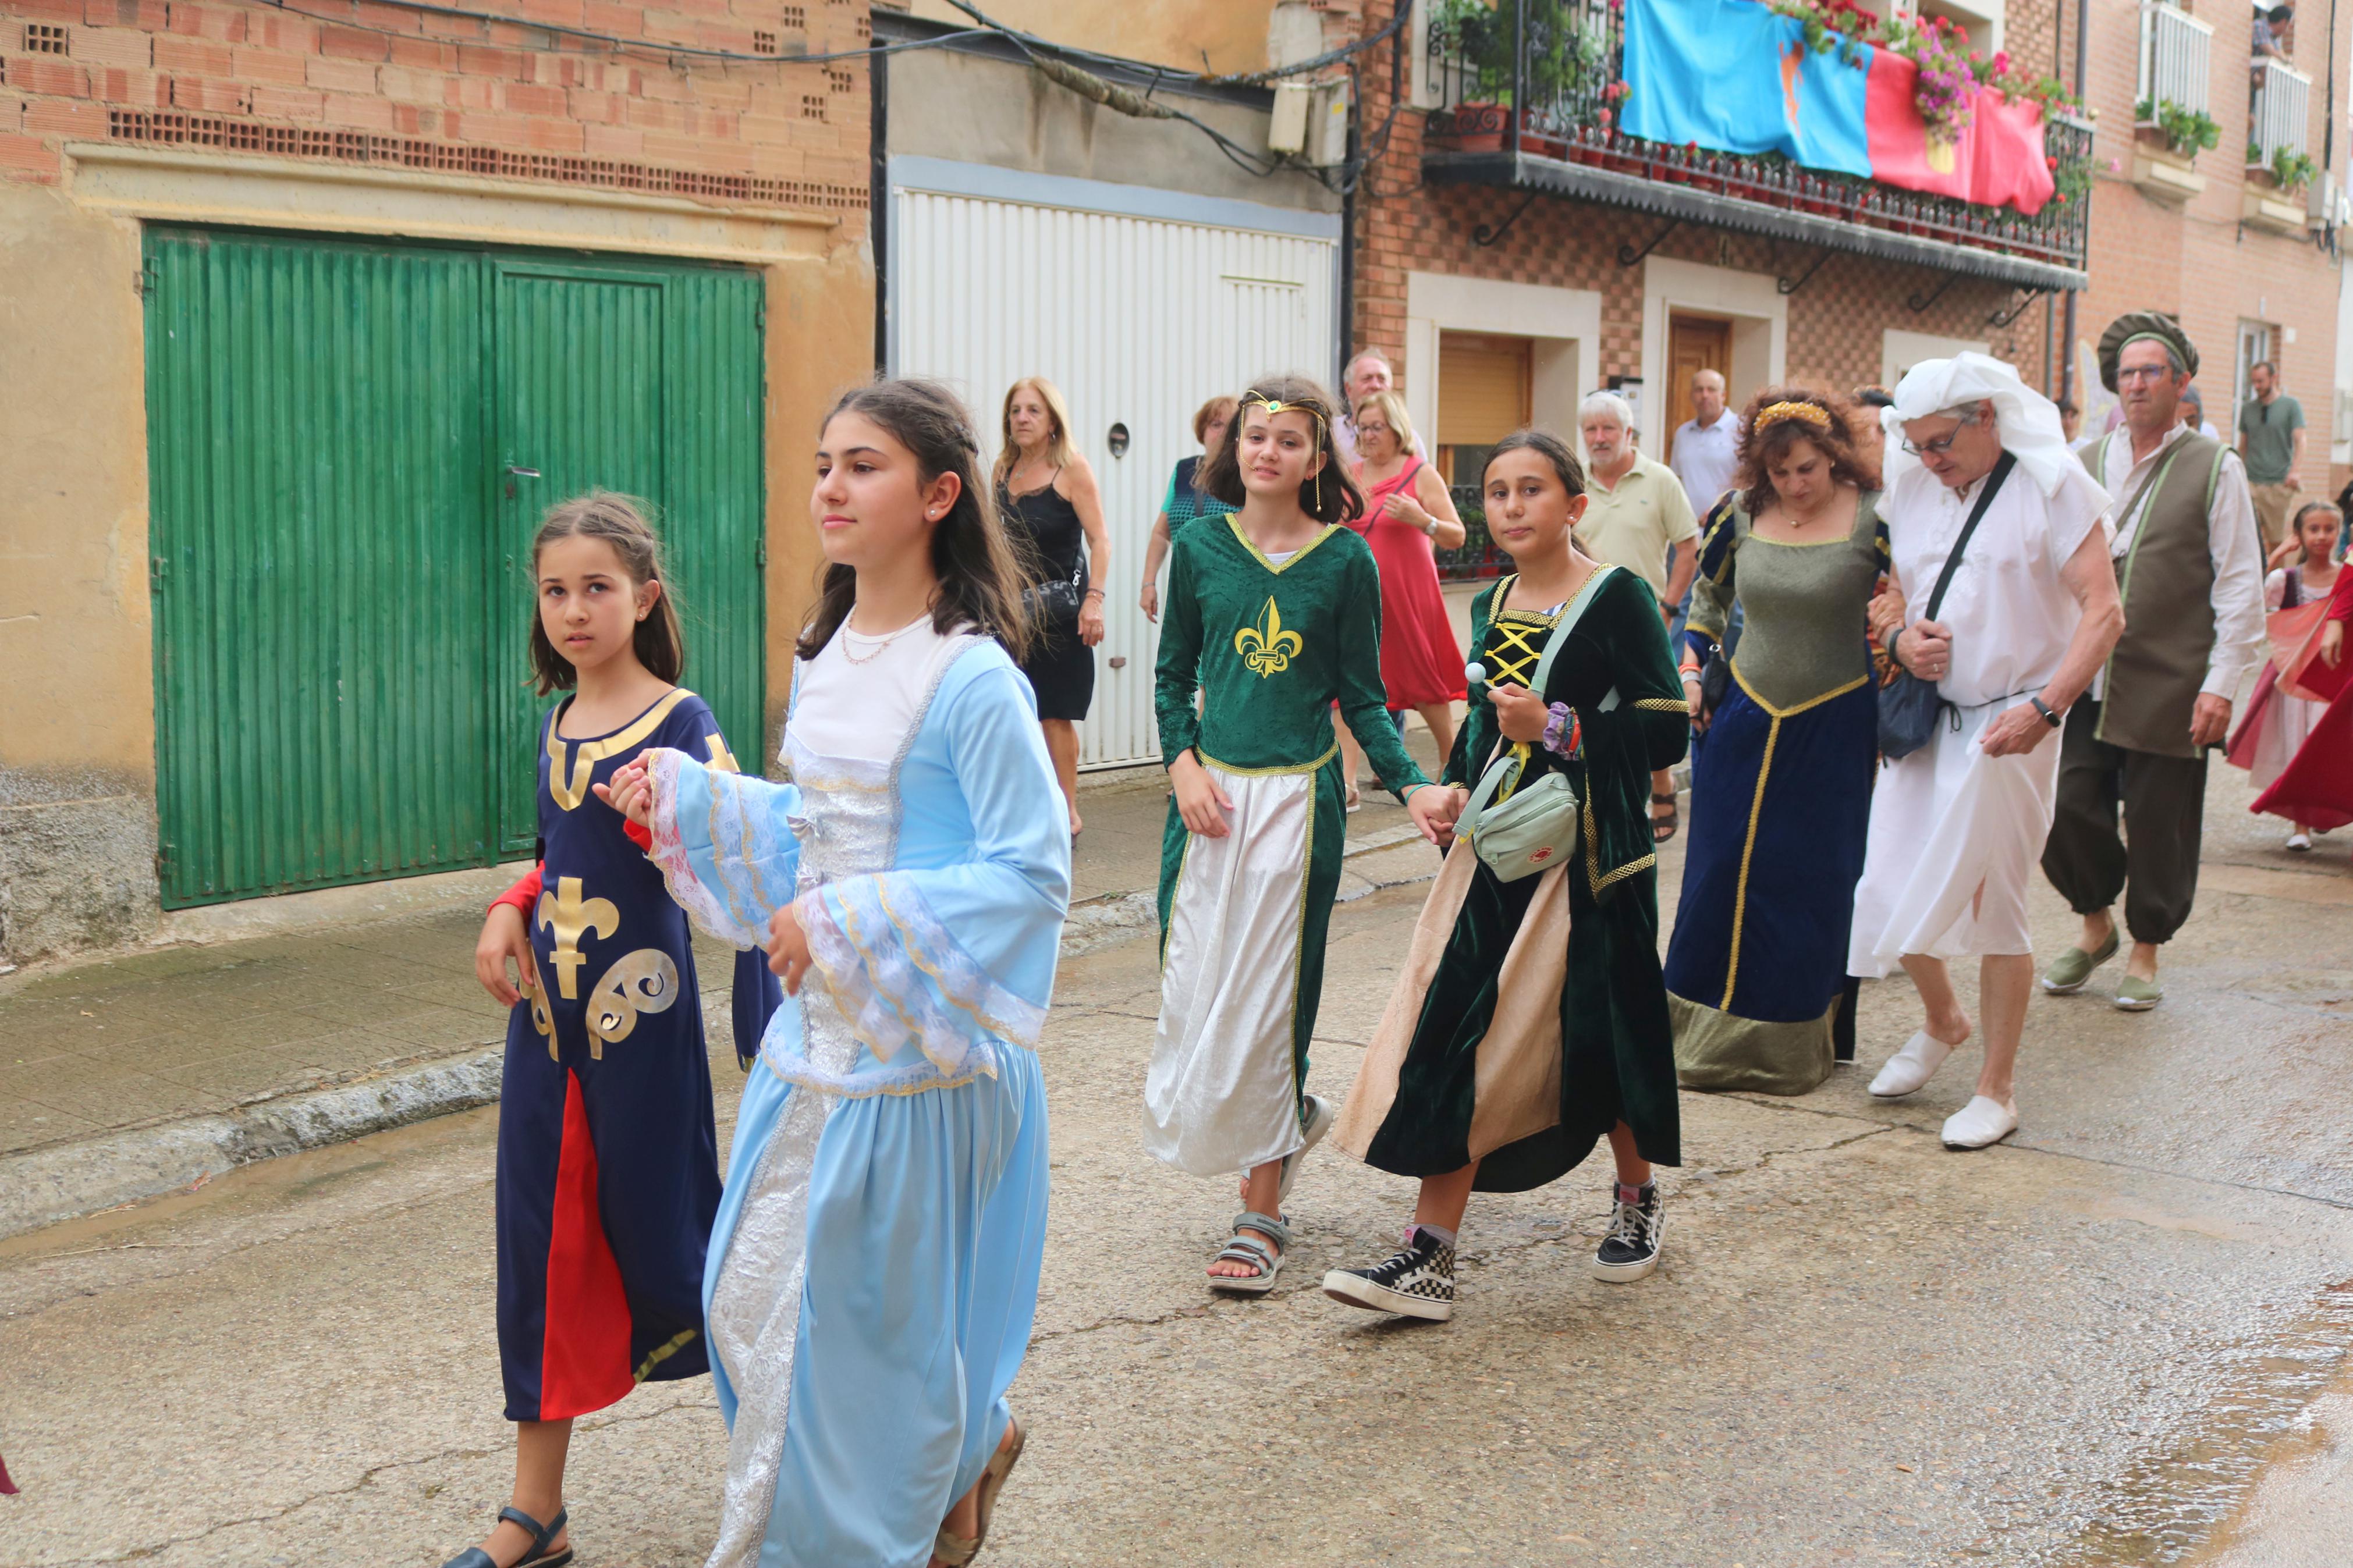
<point>609,1164</point>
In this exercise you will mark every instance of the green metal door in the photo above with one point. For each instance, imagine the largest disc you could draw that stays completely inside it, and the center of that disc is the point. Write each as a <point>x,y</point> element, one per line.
<point>341,598</point>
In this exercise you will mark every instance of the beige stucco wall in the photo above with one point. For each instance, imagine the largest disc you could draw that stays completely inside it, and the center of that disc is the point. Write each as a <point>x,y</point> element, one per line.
<point>76,713</point>
<point>1232,33</point>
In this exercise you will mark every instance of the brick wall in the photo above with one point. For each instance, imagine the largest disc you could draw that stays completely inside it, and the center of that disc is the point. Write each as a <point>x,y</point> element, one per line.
<point>2197,260</point>
<point>506,95</point>
<point>1836,320</point>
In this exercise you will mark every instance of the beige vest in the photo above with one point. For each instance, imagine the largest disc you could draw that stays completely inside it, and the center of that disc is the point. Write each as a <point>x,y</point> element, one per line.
<point>2166,579</point>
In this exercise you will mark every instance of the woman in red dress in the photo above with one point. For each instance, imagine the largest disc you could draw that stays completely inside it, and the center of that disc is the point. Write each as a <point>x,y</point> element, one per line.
<point>2316,787</point>
<point>1408,517</point>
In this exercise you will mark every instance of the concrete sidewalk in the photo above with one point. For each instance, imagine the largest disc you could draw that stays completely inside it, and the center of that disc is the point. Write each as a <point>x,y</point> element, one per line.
<point>151,1070</point>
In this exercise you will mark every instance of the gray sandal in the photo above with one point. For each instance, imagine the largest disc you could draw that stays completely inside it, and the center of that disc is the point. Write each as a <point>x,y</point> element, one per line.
<point>1249,1250</point>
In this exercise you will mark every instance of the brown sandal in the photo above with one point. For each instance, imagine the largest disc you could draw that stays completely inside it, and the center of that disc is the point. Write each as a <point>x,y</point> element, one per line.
<point>1663,827</point>
<point>954,1549</point>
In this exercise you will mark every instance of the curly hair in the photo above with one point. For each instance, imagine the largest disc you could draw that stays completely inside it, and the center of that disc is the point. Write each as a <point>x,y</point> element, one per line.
<point>1763,443</point>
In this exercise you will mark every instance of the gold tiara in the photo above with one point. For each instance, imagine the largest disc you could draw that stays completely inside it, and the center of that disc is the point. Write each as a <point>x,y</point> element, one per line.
<point>1812,413</point>
<point>1275,406</point>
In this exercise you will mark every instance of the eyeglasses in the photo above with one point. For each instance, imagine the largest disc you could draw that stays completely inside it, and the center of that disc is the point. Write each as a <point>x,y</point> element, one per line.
<point>2144,373</point>
<point>1937,447</point>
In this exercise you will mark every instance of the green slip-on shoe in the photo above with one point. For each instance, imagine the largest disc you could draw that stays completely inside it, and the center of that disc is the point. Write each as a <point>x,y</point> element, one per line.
<point>2074,967</point>
<point>2135,994</point>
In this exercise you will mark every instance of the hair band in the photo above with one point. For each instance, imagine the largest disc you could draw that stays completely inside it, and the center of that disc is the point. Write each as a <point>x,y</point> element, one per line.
<point>1774,414</point>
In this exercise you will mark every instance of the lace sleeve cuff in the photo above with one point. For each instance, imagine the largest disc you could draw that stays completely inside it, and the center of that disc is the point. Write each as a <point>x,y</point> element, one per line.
<point>728,892</point>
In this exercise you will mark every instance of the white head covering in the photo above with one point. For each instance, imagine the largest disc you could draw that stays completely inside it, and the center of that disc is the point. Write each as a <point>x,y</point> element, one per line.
<point>2028,421</point>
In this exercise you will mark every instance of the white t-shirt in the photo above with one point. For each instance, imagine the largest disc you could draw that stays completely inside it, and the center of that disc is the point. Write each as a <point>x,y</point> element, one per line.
<point>2011,614</point>
<point>1706,458</point>
<point>860,695</point>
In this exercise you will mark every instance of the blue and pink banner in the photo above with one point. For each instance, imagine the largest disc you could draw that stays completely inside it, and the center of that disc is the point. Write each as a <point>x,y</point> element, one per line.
<point>1734,77</point>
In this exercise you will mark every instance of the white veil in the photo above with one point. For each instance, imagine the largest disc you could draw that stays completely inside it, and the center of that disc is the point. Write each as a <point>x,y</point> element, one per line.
<point>2029,421</point>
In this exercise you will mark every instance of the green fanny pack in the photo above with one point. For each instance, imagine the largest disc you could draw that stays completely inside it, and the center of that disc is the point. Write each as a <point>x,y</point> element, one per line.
<point>1536,826</point>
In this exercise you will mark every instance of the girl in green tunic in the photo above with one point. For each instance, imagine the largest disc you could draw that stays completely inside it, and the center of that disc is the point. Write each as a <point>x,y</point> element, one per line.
<point>1530,1020</point>
<point>1273,615</point>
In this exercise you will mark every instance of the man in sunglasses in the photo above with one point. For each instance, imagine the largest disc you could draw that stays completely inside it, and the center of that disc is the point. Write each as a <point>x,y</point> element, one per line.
<point>2192,580</point>
<point>1982,478</point>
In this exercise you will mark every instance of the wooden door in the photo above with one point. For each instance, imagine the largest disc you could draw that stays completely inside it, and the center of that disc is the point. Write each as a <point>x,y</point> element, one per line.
<point>1694,343</point>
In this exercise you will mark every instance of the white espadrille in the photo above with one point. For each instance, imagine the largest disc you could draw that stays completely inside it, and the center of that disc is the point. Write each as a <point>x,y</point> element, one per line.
<point>1910,1068</point>
<point>1980,1122</point>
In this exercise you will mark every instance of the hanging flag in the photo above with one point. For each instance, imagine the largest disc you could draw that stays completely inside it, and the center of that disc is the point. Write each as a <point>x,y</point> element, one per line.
<point>1734,77</point>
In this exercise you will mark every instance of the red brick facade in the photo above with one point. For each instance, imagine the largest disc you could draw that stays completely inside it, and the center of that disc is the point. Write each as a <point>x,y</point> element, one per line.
<point>511,95</point>
<point>2197,260</point>
<point>1836,318</point>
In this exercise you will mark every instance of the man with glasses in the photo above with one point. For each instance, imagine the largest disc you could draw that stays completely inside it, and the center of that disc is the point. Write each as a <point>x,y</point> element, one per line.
<point>2192,585</point>
<point>2026,619</point>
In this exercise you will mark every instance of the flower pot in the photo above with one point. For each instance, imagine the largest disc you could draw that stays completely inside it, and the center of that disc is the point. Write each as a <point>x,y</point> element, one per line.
<point>1471,128</point>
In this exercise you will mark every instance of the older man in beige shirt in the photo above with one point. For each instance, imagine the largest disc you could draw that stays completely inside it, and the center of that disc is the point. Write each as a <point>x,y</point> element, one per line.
<point>1635,512</point>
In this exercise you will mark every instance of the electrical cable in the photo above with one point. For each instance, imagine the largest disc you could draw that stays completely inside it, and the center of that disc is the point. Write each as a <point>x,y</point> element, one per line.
<point>613,40</point>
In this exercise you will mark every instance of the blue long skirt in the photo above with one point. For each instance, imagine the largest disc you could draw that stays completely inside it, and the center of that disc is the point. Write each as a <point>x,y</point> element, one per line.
<point>1755,971</point>
<point>926,1228</point>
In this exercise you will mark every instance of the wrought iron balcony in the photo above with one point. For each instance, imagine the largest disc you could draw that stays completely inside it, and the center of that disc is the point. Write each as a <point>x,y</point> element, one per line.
<point>1536,114</point>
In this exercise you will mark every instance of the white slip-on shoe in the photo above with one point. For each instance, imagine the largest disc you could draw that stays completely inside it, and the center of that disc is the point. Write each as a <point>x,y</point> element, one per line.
<point>1910,1068</point>
<point>1980,1122</point>
<point>2299,840</point>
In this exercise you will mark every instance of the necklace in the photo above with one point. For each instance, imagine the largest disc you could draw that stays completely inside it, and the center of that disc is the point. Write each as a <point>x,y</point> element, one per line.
<point>850,634</point>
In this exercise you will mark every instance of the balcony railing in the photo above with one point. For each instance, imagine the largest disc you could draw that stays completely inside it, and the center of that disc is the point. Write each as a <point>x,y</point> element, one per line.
<point>2278,112</point>
<point>2174,49</point>
<point>1563,138</point>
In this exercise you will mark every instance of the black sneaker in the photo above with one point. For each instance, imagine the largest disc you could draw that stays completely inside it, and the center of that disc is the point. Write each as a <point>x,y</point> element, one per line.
<point>1630,1250</point>
<point>1417,1283</point>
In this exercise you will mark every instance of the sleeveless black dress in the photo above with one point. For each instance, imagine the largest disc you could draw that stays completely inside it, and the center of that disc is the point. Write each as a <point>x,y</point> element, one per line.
<point>1061,668</point>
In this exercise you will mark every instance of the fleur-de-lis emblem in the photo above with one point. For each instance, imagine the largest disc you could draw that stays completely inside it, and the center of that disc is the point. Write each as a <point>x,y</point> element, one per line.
<point>1266,648</point>
<point>572,917</point>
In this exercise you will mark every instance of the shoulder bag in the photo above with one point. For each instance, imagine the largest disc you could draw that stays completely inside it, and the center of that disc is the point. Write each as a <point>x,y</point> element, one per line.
<point>1909,706</point>
<point>1536,825</point>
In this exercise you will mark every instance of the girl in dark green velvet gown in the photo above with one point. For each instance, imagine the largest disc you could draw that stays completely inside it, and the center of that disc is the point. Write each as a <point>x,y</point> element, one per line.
<point>1530,1020</point>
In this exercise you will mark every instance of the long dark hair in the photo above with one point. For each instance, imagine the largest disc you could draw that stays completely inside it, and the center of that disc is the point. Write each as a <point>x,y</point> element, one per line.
<point>620,521</point>
<point>1546,444</point>
<point>981,580</point>
<point>1831,429</point>
<point>1329,494</point>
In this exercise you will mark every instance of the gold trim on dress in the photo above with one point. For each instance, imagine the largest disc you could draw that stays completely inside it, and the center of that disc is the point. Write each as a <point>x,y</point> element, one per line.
<point>1748,851</point>
<point>1282,771</point>
<point>569,783</point>
<point>663,1351</point>
<point>571,917</point>
<point>1232,521</point>
<point>1793,710</point>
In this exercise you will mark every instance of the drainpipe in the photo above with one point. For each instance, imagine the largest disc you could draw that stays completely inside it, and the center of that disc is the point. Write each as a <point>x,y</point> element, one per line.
<point>878,202</point>
<point>2067,316</point>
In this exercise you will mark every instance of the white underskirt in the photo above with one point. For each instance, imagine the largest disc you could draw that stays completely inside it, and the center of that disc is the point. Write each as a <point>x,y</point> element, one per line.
<point>1219,1095</point>
<point>1956,837</point>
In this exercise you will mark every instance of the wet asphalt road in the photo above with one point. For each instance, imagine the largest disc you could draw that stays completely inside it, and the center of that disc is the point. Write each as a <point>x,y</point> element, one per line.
<point>2121,1339</point>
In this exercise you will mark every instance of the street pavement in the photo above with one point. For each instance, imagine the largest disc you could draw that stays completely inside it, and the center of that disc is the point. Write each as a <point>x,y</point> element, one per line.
<point>2119,1339</point>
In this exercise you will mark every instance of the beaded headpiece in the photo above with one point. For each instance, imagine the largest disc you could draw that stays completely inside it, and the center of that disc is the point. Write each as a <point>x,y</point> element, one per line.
<point>1274,405</point>
<point>1811,413</point>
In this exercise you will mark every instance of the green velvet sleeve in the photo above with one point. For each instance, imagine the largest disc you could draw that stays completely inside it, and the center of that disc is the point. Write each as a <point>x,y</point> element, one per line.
<point>1363,701</point>
<point>1474,738</point>
<point>1650,691</point>
<point>1178,673</point>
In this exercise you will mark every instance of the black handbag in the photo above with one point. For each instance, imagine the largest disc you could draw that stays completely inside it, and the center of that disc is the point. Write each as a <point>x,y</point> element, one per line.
<point>1054,605</point>
<point>1909,707</point>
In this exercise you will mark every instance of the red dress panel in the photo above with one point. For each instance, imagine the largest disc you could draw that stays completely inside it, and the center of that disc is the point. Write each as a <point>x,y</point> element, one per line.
<point>1420,661</point>
<point>2316,787</point>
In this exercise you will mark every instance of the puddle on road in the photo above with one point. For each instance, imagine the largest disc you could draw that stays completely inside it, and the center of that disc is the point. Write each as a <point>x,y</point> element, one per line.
<point>2169,1505</point>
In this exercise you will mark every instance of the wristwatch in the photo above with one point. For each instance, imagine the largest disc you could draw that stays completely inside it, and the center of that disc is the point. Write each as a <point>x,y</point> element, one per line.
<point>2043,707</point>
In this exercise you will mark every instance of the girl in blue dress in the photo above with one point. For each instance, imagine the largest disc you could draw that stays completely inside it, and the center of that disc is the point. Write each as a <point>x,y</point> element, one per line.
<point>873,1273</point>
<point>608,1164</point>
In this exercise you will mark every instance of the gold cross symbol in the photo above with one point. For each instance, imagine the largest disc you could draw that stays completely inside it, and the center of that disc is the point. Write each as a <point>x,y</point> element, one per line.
<point>570,917</point>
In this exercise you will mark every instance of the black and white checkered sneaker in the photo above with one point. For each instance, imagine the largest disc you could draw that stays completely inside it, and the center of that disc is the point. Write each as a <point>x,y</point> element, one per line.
<point>1630,1250</point>
<point>1417,1283</point>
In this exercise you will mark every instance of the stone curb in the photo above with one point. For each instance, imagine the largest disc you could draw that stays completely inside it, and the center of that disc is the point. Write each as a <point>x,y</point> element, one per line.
<point>65,1181</point>
<point>45,1187</point>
